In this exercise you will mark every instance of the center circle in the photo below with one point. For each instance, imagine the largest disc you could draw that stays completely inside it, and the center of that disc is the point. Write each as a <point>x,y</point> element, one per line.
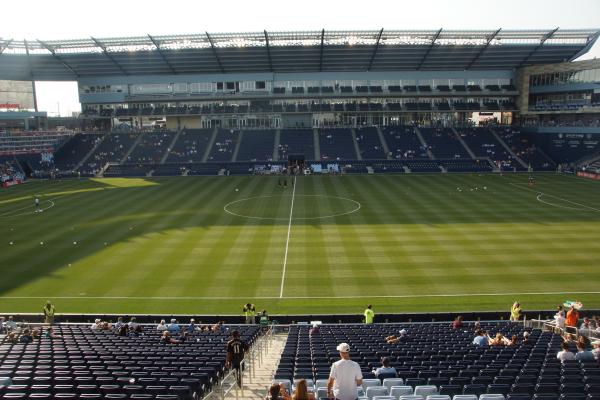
<point>306,207</point>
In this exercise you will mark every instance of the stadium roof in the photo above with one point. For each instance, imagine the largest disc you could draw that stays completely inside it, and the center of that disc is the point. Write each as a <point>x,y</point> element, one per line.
<point>306,51</point>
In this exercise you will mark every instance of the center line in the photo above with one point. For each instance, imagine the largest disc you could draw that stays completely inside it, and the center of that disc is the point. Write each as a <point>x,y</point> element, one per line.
<point>287,242</point>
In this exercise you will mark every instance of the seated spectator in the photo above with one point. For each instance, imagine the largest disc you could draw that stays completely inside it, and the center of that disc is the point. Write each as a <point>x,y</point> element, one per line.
<point>173,327</point>
<point>49,334</point>
<point>10,325</point>
<point>481,339</point>
<point>277,392</point>
<point>583,354</point>
<point>167,339</point>
<point>137,331</point>
<point>117,325</point>
<point>12,338</point>
<point>26,337</point>
<point>586,327</point>
<point>123,330</point>
<point>458,322</point>
<point>393,339</point>
<point>499,340</point>
<point>526,338</point>
<point>596,350</point>
<point>161,327</point>
<point>514,340</point>
<point>585,342</point>
<point>35,333</point>
<point>565,354</point>
<point>314,330</point>
<point>96,325</point>
<point>191,328</point>
<point>385,368</point>
<point>218,327</point>
<point>301,392</point>
<point>105,326</point>
<point>263,318</point>
<point>2,327</point>
<point>477,326</point>
<point>133,324</point>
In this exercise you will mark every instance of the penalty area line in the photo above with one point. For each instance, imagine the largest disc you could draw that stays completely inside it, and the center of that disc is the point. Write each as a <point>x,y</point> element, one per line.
<point>556,197</point>
<point>405,296</point>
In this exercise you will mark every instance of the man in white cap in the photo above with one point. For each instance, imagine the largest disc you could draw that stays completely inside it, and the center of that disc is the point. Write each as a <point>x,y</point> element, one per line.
<point>345,376</point>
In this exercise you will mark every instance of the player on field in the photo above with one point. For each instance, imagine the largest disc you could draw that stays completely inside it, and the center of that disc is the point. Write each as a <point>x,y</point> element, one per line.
<point>36,202</point>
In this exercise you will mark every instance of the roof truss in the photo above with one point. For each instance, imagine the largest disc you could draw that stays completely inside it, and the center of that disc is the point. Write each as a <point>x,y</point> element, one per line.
<point>107,54</point>
<point>435,37</point>
<point>162,55</point>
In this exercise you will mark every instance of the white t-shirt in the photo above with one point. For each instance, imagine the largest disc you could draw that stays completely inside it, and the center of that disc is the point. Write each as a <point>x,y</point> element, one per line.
<point>565,355</point>
<point>345,373</point>
<point>560,321</point>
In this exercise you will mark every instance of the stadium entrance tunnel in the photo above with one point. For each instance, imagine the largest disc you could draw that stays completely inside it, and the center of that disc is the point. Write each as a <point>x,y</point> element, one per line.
<point>300,207</point>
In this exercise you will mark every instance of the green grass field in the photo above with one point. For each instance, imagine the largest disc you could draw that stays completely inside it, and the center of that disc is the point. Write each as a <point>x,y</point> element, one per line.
<point>403,243</point>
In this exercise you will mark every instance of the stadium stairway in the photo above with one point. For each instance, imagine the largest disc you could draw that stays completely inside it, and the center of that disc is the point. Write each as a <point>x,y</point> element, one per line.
<point>171,145</point>
<point>255,387</point>
<point>386,148</point>
<point>89,153</point>
<point>424,143</point>
<point>467,148</point>
<point>133,146</point>
<point>317,145</point>
<point>507,147</point>
<point>210,144</point>
<point>276,143</point>
<point>237,146</point>
<point>355,142</point>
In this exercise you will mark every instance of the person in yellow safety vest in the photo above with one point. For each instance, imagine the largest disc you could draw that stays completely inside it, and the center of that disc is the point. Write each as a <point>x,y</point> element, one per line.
<point>515,312</point>
<point>48,313</point>
<point>369,314</point>
<point>249,312</point>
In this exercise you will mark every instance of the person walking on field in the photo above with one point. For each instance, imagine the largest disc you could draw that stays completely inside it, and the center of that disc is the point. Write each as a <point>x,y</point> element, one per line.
<point>369,314</point>
<point>515,312</point>
<point>345,376</point>
<point>49,313</point>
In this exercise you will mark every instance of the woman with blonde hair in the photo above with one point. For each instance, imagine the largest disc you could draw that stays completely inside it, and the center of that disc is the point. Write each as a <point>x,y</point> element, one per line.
<point>301,392</point>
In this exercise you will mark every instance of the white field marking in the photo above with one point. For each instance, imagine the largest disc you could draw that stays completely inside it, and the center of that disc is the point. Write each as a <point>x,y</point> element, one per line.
<point>287,242</point>
<point>406,296</point>
<point>539,198</point>
<point>556,197</point>
<point>356,204</point>
<point>8,215</point>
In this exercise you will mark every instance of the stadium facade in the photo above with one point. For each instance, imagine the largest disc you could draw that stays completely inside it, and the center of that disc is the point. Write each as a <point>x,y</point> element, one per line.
<point>324,80</point>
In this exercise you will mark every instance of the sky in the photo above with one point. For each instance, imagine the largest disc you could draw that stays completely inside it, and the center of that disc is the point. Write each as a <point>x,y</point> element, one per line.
<point>71,19</point>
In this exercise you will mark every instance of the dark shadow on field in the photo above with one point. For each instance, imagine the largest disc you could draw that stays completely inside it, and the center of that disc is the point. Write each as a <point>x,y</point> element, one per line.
<point>186,216</point>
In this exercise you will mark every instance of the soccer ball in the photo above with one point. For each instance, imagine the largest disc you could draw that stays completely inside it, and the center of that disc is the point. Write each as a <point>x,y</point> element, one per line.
<point>237,190</point>
<point>74,242</point>
<point>41,243</point>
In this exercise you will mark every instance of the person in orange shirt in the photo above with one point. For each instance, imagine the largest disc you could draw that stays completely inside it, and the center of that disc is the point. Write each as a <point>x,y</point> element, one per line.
<point>572,317</point>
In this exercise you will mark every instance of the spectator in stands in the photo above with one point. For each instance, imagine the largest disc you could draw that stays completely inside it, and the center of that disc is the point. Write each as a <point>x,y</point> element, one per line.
<point>96,325</point>
<point>482,339</point>
<point>560,320</point>
<point>586,327</point>
<point>515,312</point>
<point>35,333</point>
<point>133,324</point>
<point>12,338</point>
<point>26,337</point>
<point>161,327</point>
<point>301,392</point>
<point>123,330</point>
<point>572,317</point>
<point>314,330</point>
<point>499,340</point>
<point>583,354</point>
<point>191,328</point>
<point>218,327</point>
<point>565,354</point>
<point>514,340</point>
<point>117,325</point>
<point>2,327</point>
<point>596,350</point>
<point>10,325</point>
<point>585,342</point>
<point>458,322</point>
<point>369,314</point>
<point>49,334</point>
<point>345,376</point>
<point>401,338</point>
<point>167,339</point>
<point>236,351</point>
<point>526,338</point>
<point>277,392</point>
<point>385,368</point>
<point>173,327</point>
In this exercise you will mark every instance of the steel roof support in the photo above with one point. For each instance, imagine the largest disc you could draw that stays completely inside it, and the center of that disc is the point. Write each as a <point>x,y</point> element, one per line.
<point>162,55</point>
<point>34,92</point>
<point>375,50</point>
<point>268,50</point>
<point>214,50</point>
<point>322,50</point>
<point>107,54</point>
<point>6,46</point>
<point>53,52</point>
<point>532,52</point>
<point>590,42</point>
<point>484,48</point>
<point>435,37</point>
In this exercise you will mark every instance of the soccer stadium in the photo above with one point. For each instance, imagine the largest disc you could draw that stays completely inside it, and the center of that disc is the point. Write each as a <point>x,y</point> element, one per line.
<point>231,213</point>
